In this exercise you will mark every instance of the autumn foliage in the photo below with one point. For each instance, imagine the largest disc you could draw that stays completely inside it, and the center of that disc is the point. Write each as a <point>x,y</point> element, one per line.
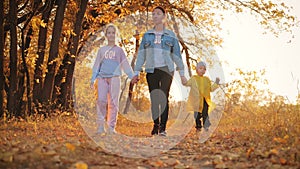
<point>46,49</point>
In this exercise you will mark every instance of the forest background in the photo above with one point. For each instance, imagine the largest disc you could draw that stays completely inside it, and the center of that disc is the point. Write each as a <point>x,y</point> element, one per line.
<point>43,43</point>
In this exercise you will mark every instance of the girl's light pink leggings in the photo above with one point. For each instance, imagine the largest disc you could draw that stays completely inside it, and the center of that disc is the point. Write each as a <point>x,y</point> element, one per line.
<point>108,100</point>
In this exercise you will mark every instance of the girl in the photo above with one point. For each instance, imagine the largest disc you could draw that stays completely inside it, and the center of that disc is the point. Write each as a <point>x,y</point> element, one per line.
<point>107,69</point>
<point>159,50</point>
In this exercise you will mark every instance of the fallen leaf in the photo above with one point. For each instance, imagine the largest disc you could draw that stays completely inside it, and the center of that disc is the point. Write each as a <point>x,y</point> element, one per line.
<point>140,167</point>
<point>50,153</point>
<point>274,152</point>
<point>70,146</point>
<point>221,165</point>
<point>157,164</point>
<point>79,165</point>
<point>280,140</point>
<point>56,158</point>
<point>249,151</point>
<point>283,161</point>
<point>172,162</point>
<point>6,157</point>
<point>180,166</point>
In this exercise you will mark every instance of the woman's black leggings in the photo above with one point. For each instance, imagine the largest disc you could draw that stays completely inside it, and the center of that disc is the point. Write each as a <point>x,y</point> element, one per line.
<point>159,83</point>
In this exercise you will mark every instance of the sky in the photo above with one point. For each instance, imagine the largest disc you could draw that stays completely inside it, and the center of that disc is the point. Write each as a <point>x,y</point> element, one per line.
<point>246,47</point>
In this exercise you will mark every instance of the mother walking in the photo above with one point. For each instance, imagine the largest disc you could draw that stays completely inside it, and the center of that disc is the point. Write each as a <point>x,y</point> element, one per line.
<point>158,51</point>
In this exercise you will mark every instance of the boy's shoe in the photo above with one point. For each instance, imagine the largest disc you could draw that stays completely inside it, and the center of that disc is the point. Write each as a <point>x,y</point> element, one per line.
<point>207,124</point>
<point>162,133</point>
<point>155,129</point>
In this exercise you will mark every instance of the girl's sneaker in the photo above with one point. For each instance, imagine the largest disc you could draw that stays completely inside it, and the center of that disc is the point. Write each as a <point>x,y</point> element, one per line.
<point>111,130</point>
<point>101,130</point>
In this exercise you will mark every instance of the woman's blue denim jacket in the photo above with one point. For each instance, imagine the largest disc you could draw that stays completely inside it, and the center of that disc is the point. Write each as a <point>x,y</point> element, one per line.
<point>171,52</point>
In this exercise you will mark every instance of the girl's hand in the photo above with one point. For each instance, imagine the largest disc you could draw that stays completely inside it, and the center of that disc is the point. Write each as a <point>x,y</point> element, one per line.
<point>92,86</point>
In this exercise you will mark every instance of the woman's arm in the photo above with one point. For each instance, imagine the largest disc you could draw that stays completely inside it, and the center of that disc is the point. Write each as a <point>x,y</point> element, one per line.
<point>176,55</point>
<point>141,57</point>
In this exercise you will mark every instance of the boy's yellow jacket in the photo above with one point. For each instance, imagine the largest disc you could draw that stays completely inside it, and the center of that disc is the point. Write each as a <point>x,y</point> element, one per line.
<point>200,88</point>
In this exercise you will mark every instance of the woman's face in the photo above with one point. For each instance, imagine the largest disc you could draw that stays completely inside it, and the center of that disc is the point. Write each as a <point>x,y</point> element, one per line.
<point>111,34</point>
<point>157,16</point>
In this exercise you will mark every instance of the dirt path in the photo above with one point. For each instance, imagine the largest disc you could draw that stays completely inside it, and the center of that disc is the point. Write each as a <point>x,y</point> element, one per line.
<point>62,143</point>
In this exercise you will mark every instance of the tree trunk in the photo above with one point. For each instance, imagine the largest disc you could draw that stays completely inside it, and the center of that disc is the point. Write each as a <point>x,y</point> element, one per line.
<point>66,88</point>
<point>131,85</point>
<point>60,79</point>
<point>42,40</point>
<point>2,80</point>
<point>25,73</point>
<point>12,100</point>
<point>54,46</point>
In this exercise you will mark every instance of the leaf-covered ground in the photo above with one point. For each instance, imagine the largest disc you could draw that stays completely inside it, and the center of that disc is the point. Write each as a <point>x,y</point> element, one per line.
<point>61,142</point>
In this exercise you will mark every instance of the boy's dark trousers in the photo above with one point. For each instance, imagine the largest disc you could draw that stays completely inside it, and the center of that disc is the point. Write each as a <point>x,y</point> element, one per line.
<point>203,115</point>
<point>159,83</point>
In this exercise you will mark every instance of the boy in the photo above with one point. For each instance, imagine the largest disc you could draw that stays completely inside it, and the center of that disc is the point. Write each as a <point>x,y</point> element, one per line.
<point>199,100</point>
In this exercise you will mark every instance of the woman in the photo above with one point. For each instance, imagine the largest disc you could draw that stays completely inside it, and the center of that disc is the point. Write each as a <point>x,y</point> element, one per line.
<point>159,50</point>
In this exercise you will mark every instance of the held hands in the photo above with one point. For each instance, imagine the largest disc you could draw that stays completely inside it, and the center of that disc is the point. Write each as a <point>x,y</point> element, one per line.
<point>183,80</point>
<point>135,79</point>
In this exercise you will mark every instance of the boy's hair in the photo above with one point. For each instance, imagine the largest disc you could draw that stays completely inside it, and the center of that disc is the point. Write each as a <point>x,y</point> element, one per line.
<point>201,63</point>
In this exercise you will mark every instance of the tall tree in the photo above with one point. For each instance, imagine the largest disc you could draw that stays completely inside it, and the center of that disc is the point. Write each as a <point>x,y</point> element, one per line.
<point>2,80</point>
<point>13,64</point>
<point>24,72</point>
<point>68,65</point>
<point>42,40</point>
<point>54,51</point>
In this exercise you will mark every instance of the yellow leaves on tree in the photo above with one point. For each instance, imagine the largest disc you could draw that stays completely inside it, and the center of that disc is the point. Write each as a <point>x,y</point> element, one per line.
<point>36,22</point>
